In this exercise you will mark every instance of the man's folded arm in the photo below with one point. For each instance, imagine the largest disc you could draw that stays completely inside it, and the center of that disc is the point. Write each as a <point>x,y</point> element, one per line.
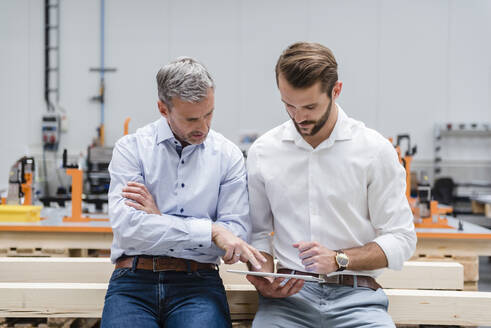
<point>137,230</point>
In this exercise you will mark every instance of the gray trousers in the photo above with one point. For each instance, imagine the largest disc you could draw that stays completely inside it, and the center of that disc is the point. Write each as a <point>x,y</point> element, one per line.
<point>325,305</point>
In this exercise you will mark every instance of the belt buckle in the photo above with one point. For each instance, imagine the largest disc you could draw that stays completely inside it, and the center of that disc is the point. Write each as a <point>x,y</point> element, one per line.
<point>331,279</point>
<point>154,265</point>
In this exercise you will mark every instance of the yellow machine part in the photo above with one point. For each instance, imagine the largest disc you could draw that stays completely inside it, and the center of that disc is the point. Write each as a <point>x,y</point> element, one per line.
<point>20,213</point>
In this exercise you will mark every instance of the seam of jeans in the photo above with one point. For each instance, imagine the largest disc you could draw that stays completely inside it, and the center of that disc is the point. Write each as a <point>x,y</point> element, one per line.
<point>160,286</point>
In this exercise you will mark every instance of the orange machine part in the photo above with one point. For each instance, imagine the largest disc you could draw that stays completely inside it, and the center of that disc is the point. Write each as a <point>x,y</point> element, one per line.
<point>101,135</point>
<point>77,181</point>
<point>408,160</point>
<point>27,189</point>
<point>126,124</point>
<point>427,222</point>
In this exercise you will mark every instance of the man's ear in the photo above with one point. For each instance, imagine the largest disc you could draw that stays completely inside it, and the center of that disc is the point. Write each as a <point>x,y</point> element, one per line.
<point>336,90</point>
<point>163,109</point>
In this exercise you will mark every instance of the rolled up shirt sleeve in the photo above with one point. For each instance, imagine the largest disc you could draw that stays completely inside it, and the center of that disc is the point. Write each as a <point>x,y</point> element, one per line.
<point>388,207</point>
<point>135,229</point>
<point>259,206</point>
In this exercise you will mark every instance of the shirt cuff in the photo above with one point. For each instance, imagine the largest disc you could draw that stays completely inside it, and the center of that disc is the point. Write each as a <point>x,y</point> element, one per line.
<point>390,246</point>
<point>200,232</point>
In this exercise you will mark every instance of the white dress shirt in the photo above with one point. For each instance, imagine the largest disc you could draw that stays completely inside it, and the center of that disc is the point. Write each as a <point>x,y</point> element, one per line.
<point>206,183</point>
<point>348,191</point>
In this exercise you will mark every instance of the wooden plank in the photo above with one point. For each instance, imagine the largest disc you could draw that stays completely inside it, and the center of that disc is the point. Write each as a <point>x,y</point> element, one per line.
<point>86,301</point>
<point>457,247</point>
<point>471,286</point>
<point>55,269</point>
<point>414,275</point>
<point>440,307</point>
<point>470,263</point>
<point>242,299</point>
<point>422,275</point>
<point>425,275</point>
<point>36,300</point>
<point>21,239</point>
<point>405,306</point>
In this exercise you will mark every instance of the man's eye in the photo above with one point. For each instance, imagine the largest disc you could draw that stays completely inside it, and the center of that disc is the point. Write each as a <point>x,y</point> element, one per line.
<point>310,107</point>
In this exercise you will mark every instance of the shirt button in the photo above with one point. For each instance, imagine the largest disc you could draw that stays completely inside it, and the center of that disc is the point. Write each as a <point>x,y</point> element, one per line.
<point>182,185</point>
<point>171,250</point>
<point>200,245</point>
<point>182,210</point>
<point>182,162</point>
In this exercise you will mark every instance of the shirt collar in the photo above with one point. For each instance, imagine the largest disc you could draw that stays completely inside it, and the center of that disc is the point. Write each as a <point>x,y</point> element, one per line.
<point>342,130</point>
<point>165,133</point>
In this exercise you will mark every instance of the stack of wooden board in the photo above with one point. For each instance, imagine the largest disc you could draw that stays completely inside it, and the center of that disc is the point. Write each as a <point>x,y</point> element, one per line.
<point>469,263</point>
<point>75,287</point>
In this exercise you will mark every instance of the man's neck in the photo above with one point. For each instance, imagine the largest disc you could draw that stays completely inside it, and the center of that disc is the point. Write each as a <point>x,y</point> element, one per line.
<point>325,131</point>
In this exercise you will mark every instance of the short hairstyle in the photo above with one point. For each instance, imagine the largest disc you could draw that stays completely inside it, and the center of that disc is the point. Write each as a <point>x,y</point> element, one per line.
<point>185,78</point>
<point>303,64</point>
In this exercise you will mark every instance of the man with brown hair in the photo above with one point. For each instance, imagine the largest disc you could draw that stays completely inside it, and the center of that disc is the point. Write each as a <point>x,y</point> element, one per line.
<point>333,192</point>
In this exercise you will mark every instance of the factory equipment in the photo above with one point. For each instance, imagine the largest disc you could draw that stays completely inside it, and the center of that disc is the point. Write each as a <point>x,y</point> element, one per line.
<point>77,192</point>
<point>469,184</point>
<point>17,206</point>
<point>50,129</point>
<point>427,213</point>
<point>98,179</point>
<point>21,178</point>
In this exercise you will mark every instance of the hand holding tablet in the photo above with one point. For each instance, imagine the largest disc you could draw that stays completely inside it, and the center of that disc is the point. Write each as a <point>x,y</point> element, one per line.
<point>278,275</point>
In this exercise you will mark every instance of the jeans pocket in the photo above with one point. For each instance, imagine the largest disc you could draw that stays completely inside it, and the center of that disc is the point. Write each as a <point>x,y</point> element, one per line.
<point>119,272</point>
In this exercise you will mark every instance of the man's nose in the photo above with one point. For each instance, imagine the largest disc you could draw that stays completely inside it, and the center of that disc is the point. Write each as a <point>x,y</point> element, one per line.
<point>202,126</point>
<point>299,116</point>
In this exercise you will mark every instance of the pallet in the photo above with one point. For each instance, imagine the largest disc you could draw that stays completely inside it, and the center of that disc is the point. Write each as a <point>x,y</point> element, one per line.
<point>470,263</point>
<point>471,286</point>
<point>477,207</point>
<point>481,208</point>
<point>75,287</point>
<point>49,323</point>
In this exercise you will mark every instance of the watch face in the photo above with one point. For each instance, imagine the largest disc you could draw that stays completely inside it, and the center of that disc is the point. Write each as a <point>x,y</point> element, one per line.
<point>342,260</point>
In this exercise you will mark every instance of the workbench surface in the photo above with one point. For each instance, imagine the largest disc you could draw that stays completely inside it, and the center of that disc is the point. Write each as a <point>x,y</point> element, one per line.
<point>52,220</point>
<point>469,231</point>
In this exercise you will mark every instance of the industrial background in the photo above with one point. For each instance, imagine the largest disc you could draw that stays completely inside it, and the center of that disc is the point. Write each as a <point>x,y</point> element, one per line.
<point>416,68</point>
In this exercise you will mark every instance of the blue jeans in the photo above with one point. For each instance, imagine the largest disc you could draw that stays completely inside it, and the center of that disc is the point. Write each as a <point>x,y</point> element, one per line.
<point>143,298</point>
<point>325,306</point>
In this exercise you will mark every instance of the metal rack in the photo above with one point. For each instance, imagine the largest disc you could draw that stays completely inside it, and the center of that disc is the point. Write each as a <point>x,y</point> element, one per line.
<point>443,130</point>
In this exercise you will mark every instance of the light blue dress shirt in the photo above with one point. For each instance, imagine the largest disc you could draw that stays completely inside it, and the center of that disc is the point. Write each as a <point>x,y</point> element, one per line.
<point>206,184</point>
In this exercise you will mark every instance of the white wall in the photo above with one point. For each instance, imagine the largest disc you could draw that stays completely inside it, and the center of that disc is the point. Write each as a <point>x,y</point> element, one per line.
<point>404,64</point>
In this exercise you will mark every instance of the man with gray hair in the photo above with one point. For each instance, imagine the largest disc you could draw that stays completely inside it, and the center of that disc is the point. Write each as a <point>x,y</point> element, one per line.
<point>177,203</point>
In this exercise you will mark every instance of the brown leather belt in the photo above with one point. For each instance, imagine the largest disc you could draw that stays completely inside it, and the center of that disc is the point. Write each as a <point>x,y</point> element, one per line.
<point>342,279</point>
<point>164,263</point>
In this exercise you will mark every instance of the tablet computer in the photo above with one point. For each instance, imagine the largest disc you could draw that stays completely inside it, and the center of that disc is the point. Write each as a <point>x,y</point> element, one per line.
<point>277,275</point>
